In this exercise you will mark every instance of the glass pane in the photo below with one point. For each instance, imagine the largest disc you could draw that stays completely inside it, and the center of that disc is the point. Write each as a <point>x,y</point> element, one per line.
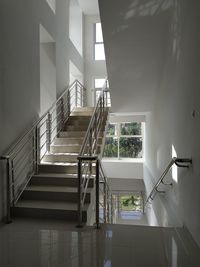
<point>133,128</point>
<point>99,83</point>
<point>111,148</point>
<point>99,52</point>
<point>112,129</point>
<point>130,147</point>
<point>99,35</point>
<point>131,202</point>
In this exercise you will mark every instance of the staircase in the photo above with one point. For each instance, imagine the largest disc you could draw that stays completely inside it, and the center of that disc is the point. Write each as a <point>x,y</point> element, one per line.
<point>53,192</point>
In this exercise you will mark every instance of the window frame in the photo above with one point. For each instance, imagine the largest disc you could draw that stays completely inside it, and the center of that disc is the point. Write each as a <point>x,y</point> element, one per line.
<point>118,135</point>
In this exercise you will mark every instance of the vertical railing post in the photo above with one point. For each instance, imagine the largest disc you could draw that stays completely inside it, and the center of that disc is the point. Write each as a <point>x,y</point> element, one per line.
<point>68,104</point>
<point>105,202</point>
<point>76,94</point>
<point>95,132</point>
<point>84,97</point>
<point>62,112</point>
<point>48,132</point>
<point>8,192</point>
<point>108,206</point>
<point>90,150</point>
<point>81,92</point>
<point>37,149</point>
<point>79,193</point>
<point>97,194</point>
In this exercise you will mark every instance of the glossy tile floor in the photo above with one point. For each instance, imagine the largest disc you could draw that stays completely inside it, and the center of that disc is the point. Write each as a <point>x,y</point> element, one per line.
<point>130,218</point>
<point>31,243</point>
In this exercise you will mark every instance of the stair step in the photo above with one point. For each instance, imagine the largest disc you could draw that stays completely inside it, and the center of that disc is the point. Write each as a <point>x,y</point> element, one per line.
<point>48,209</point>
<point>78,128</point>
<point>57,179</point>
<point>69,140</point>
<point>65,148</point>
<point>72,134</point>
<point>79,118</point>
<point>53,193</point>
<point>78,122</point>
<point>60,158</point>
<point>59,168</point>
<point>78,134</point>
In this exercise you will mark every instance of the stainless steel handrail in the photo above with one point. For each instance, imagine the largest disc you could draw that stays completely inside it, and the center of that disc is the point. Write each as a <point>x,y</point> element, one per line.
<point>88,156</point>
<point>35,143</point>
<point>178,162</point>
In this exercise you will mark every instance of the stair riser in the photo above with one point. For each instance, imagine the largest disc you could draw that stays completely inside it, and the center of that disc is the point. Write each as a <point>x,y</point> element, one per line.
<point>72,134</point>
<point>78,122</point>
<point>71,141</point>
<point>60,169</point>
<point>89,113</point>
<point>79,118</point>
<point>53,196</point>
<point>78,128</point>
<point>60,158</point>
<point>53,181</point>
<point>68,141</point>
<point>48,214</point>
<point>65,149</point>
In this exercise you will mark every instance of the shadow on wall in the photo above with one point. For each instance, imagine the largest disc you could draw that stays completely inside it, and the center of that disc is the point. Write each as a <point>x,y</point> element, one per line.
<point>138,8</point>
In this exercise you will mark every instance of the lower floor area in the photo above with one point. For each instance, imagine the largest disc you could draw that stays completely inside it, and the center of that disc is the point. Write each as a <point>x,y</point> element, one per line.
<point>28,242</point>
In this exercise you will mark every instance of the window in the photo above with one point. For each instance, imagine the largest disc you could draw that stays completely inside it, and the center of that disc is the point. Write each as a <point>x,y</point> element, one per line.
<point>99,53</point>
<point>124,140</point>
<point>98,85</point>
<point>131,202</point>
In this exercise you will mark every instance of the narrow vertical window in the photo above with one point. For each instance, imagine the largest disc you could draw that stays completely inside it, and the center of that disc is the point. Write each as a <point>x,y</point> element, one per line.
<point>99,53</point>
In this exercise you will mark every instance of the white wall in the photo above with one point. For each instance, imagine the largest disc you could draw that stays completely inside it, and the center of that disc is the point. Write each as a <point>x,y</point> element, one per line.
<point>123,169</point>
<point>172,122</point>
<point>20,95</point>
<point>47,75</point>
<point>92,68</point>
<point>76,25</point>
<point>135,40</point>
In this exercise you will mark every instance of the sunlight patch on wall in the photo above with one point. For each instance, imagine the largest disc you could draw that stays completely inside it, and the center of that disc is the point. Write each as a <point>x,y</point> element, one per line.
<point>174,167</point>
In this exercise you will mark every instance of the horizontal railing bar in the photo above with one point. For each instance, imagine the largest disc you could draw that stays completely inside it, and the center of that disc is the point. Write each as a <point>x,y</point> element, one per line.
<point>160,180</point>
<point>11,150</point>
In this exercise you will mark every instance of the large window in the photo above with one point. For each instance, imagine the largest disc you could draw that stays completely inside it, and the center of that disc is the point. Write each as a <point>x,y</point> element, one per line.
<point>124,140</point>
<point>99,53</point>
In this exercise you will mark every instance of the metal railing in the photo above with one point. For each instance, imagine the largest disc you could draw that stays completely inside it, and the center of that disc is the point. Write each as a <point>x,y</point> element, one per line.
<point>179,162</point>
<point>89,165</point>
<point>25,155</point>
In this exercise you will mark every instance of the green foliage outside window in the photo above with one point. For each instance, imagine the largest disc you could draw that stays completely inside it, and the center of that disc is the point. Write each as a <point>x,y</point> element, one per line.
<point>123,140</point>
<point>132,128</point>
<point>130,203</point>
<point>130,147</point>
<point>111,147</point>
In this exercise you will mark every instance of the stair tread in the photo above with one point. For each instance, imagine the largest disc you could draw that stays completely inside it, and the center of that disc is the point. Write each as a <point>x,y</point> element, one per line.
<point>44,188</point>
<point>56,175</point>
<point>69,164</point>
<point>51,205</point>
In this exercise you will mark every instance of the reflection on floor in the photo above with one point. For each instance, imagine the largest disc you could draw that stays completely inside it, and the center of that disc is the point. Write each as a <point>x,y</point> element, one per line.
<point>130,217</point>
<point>32,243</point>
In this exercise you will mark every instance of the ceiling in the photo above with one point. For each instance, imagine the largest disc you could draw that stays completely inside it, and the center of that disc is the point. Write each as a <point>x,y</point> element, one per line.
<point>89,7</point>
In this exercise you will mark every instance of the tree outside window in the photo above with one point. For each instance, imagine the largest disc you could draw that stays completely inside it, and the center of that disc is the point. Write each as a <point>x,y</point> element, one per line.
<point>124,140</point>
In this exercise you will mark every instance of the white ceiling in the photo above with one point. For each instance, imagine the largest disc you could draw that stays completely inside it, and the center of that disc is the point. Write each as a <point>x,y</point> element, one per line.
<point>89,7</point>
